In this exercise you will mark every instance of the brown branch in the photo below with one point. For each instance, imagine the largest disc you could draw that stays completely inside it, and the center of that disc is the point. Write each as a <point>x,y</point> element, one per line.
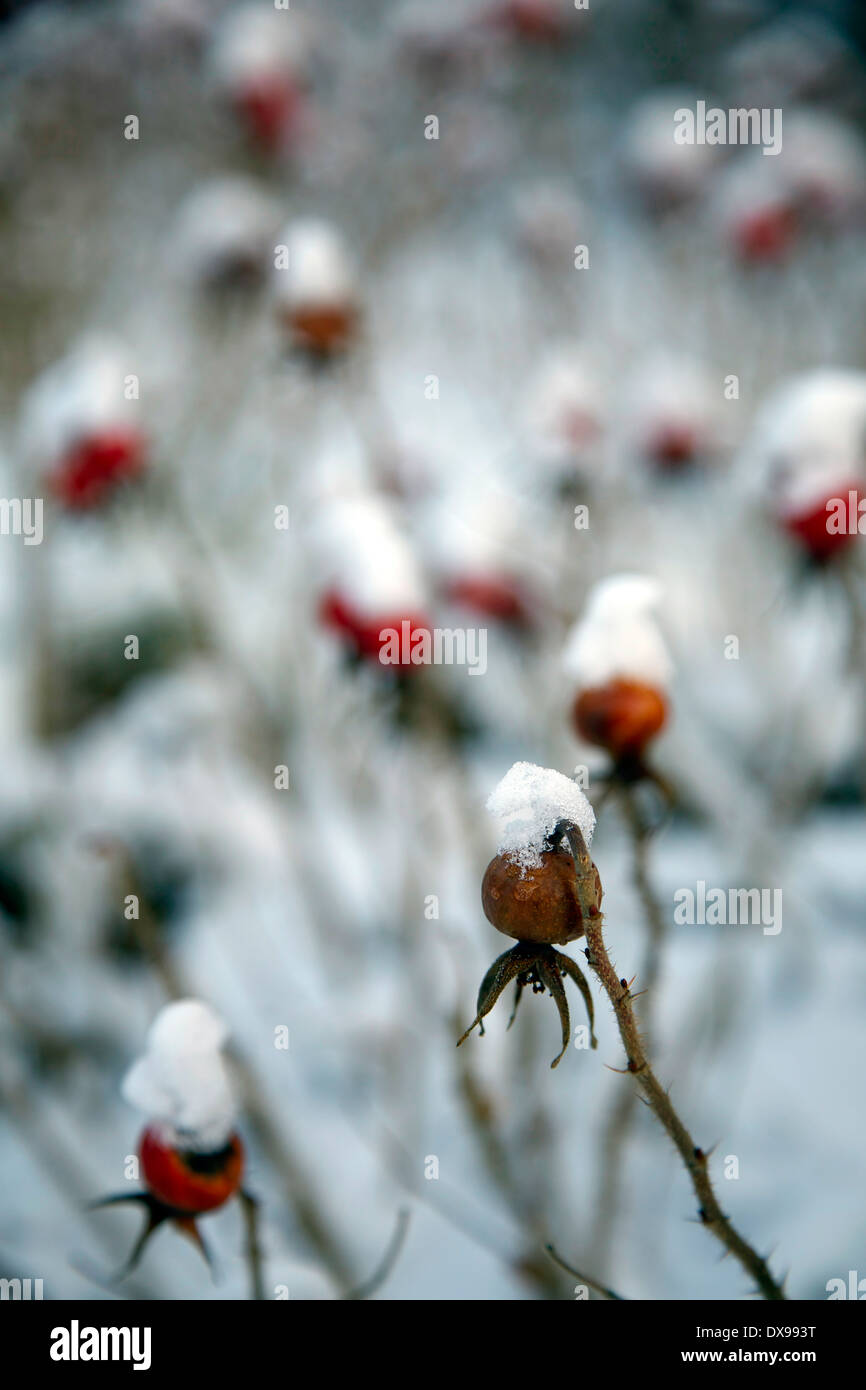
<point>694,1159</point>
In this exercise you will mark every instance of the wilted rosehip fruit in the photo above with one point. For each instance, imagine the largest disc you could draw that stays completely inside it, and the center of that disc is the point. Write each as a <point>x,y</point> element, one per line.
<point>188,1182</point>
<point>539,905</point>
<point>620,716</point>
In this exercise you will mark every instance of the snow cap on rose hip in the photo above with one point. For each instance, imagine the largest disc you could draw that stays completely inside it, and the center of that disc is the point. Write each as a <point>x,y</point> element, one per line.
<point>181,1083</point>
<point>619,635</point>
<point>314,286</point>
<point>472,538</point>
<point>754,207</point>
<point>824,164</point>
<point>225,232</point>
<point>665,174</point>
<point>671,414</point>
<point>618,659</point>
<point>80,422</point>
<point>528,803</point>
<point>807,450</point>
<point>258,63</point>
<point>368,578</point>
<point>565,412</point>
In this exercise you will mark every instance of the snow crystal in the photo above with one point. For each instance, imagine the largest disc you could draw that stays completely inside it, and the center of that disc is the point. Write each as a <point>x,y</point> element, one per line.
<point>528,803</point>
<point>182,1081</point>
<point>618,636</point>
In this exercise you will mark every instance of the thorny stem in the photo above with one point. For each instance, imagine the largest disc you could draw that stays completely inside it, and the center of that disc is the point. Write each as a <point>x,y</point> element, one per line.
<point>621,1115</point>
<point>694,1159</point>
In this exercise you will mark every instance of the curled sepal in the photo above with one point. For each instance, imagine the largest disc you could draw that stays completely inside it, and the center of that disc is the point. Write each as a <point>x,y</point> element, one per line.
<point>156,1214</point>
<point>542,967</point>
<point>504,969</point>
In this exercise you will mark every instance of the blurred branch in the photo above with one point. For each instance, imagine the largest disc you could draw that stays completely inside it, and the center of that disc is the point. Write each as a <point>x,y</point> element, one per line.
<point>388,1261</point>
<point>584,1278</point>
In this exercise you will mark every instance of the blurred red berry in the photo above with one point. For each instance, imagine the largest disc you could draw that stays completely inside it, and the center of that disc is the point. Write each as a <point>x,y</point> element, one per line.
<point>493,596</point>
<point>767,234</point>
<point>189,1183</point>
<point>812,529</point>
<point>95,466</point>
<point>621,716</point>
<point>363,632</point>
<point>268,107</point>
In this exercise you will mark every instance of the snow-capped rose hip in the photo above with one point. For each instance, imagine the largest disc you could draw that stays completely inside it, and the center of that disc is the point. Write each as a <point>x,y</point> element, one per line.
<point>538,893</point>
<point>225,234</point>
<point>258,63</point>
<point>81,429</point>
<point>671,414</point>
<point>187,1181</point>
<point>621,716</point>
<point>314,289</point>
<point>370,637</point>
<point>539,904</point>
<point>813,527</point>
<point>372,592</point>
<point>95,466</point>
<point>191,1158</point>
<point>619,661</point>
<point>806,454</point>
<point>472,543</point>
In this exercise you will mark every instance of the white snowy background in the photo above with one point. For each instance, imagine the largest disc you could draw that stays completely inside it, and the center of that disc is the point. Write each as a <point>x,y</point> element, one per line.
<point>304,907</point>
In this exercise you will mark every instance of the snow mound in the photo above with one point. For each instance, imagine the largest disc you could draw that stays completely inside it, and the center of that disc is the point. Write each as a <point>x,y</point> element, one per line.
<point>182,1081</point>
<point>618,636</point>
<point>528,803</point>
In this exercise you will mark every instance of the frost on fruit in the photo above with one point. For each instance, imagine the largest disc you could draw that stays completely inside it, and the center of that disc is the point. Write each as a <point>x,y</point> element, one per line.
<point>529,802</point>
